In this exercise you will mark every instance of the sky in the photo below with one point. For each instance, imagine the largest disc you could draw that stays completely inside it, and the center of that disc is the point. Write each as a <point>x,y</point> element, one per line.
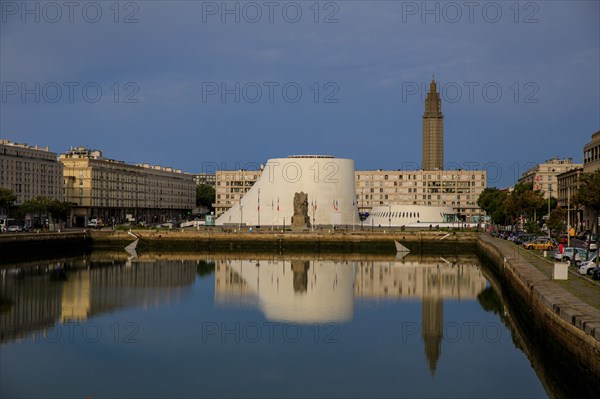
<point>202,85</point>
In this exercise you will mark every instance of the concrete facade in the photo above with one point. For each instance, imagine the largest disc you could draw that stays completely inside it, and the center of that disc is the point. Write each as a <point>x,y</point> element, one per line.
<point>30,172</point>
<point>433,131</point>
<point>410,215</point>
<point>544,176</point>
<point>112,190</point>
<point>458,189</point>
<point>230,187</point>
<point>591,154</point>
<point>328,181</point>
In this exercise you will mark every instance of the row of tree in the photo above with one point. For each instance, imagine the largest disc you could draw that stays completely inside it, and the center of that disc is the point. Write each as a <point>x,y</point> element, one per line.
<point>507,208</point>
<point>37,206</point>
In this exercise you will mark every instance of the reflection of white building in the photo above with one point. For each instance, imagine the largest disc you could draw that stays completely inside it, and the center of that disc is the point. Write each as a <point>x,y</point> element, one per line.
<point>328,181</point>
<point>410,215</point>
<point>298,290</point>
<point>322,291</point>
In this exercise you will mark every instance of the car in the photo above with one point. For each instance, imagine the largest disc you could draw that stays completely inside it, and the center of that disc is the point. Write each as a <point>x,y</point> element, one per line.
<point>540,243</point>
<point>14,229</point>
<point>571,253</point>
<point>588,266</point>
<point>563,239</point>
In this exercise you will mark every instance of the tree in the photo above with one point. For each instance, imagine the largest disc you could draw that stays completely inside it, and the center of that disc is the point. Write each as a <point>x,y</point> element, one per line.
<point>556,221</point>
<point>492,200</point>
<point>588,195</point>
<point>35,206</point>
<point>59,210</point>
<point>205,196</point>
<point>7,198</point>
<point>523,201</point>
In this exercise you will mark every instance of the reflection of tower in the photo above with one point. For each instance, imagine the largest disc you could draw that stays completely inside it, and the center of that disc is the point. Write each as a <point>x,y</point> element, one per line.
<point>433,330</point>
<point>433,131</point>
<point>300,270</point>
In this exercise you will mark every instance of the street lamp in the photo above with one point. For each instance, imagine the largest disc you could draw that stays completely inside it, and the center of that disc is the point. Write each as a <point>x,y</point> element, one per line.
<point>547,220</point>
<point>362,204</point>
<point>568,216</point>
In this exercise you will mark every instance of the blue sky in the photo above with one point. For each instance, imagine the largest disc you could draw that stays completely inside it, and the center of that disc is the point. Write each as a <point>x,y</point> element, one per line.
<point>180,81</point>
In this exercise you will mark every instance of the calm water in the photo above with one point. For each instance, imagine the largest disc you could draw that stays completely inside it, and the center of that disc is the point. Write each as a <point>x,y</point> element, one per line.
<point>190,325</point>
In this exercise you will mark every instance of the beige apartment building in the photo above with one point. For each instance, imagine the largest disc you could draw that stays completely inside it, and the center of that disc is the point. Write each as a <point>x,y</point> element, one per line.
<point>116,192</point>
<point>544,176</point>
<point>230,187</point>
<point>591,154</point>
<point>30,171</point>
<point>568,184</point>
<point>591,163</point>
<point>459,189</point>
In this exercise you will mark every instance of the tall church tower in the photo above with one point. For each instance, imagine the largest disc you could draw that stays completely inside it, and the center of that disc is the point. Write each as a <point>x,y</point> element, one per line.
<point>433,130</point>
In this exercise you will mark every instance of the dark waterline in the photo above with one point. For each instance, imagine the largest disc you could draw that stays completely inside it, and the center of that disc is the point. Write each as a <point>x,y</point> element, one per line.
<point>189,325</point>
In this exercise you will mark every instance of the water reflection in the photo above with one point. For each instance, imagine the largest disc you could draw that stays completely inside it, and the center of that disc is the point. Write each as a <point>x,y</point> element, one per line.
<point>76,290</point>
<point>299,291</point>
<point>372,295</point>
<point>318,291</point>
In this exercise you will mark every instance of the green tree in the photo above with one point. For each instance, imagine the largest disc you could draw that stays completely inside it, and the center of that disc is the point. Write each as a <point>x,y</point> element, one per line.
<point>59,210</point>
<point>492,200</point>
<point>588,195</point>
<point>205,196</point>
<point>523,201</point>
<point>35,206</point>
<point>7,198</point>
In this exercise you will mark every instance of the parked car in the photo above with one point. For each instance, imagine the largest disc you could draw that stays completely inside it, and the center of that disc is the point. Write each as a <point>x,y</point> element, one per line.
<point>571,253</point>
<point>95,223</point>
<point>14,229</point>
<point>588,266</point>
<point>540,243</point>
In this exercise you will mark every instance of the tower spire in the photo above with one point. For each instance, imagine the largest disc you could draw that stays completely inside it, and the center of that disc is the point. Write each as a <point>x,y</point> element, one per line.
<point>433,130</point>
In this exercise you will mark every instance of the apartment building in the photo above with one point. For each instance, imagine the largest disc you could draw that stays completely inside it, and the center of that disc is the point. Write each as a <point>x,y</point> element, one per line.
<point>208,179</point>
<point>230,187</point>
<point>459,189</point>
<point>117,192</point>
<point>544,176</point>
<point>30,171</point>
<point>591,154</point>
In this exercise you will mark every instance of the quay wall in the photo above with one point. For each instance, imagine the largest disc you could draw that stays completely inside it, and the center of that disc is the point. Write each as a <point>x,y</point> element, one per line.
<point>43,245</point>
<point>559,326</point>
<point>317,241</point>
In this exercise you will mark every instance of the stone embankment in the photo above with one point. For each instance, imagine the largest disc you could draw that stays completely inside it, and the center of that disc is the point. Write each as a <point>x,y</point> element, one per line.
<point>556,319</point>
<point>316,241</point>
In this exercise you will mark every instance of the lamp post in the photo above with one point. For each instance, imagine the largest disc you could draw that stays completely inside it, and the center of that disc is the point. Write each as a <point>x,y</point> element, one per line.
<point>362,203</point>
<point>258,207</point>
<point>547,220</point>
<point>568,216</point>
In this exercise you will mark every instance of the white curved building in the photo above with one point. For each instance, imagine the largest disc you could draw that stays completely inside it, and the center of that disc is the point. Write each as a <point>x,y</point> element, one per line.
<point>411,216</point>
<point>328,181</point>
